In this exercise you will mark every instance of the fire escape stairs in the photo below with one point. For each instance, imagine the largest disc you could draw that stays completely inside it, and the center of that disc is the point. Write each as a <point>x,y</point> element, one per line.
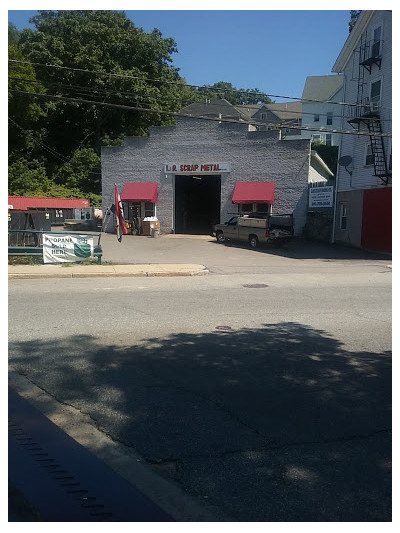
<point>367,112</point>
<point>378,149</point>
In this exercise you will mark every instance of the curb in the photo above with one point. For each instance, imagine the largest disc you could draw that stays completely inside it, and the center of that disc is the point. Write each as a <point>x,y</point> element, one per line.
<point>134,273</point>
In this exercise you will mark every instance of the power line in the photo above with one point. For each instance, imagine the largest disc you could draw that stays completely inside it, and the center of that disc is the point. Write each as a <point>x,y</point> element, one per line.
<point>97,90</point>
<point>140,78</point>
<point>53,152</point>
<point>50,150</point>
<point>93,90</point>
<point>187,115</point>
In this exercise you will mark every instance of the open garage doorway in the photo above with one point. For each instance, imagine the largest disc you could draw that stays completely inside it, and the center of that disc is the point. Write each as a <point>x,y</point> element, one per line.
<point>197,204</point>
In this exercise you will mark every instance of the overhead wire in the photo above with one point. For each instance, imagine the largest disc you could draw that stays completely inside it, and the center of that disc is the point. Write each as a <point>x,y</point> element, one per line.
<point>53,152</point>
<point>177,83</point>
<point>199,117</point>
<point>85,90</point>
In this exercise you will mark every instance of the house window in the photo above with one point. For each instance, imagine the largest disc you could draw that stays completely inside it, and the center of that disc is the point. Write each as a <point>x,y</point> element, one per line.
<point>262,208</point>
<point>149,209</point>
<point>316,137</point>
<point>375,94</point>
<point>369,158</point>
<point>376,44</point>
<point>328,139</point>
<point>263,116</point>
<point>329,118</point>
<point>245,208</point>
<point>316,118</point>
<point>343,216</point>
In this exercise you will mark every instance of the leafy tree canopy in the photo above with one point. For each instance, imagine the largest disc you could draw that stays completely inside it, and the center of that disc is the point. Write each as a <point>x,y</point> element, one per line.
<point>354,14</point>
<point>235,96</point>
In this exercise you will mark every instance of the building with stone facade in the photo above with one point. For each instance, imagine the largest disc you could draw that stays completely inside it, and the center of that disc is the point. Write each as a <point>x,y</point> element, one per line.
<point>187,175</point>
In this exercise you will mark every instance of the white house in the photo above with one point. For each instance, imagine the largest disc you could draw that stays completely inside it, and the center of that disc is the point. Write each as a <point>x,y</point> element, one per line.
<point>363,215</point>
<point>321,108</point>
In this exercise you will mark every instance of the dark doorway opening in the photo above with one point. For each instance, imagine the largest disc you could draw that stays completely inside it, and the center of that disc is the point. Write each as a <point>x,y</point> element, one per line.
<point>197,204</point>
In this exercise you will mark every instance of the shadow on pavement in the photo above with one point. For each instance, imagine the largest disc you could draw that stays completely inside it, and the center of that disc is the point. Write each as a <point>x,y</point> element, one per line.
<point>277,423</point>
<point>305,249</point>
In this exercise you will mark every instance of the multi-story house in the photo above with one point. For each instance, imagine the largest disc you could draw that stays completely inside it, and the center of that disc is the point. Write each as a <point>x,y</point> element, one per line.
<point>363,215</point>
<point>321,109</point>
<point>286,116</point>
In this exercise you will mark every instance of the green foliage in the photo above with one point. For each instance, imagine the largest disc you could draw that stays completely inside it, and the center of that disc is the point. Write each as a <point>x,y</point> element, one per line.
<point>81,172</point>
<point>234,96</point>
<point>354,14</point>
<point>25,260</point>
<point>23,112</point>
<point>13,34</point>
<point>96,43</point>
<point>28,178</point>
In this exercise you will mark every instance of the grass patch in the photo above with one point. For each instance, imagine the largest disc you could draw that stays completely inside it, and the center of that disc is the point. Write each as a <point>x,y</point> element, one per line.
<point>25,260</point>
<point>32,260</point>
<point>87,262</point>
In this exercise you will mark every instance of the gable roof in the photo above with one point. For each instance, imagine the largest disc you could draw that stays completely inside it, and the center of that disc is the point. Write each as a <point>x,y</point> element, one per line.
<point>286,110</point>
<point>282,110</point>
<point>212,108</point>
<point>247,111</point>
<point>322,87</point>
<point>219,106</point>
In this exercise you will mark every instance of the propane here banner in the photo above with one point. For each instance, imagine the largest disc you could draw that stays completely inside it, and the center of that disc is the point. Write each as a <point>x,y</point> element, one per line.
<point>66,248</point>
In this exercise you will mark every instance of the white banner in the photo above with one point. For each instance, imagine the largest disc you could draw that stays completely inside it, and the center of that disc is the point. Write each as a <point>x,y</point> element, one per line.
<point>66,248</point>
<point>320,197</point>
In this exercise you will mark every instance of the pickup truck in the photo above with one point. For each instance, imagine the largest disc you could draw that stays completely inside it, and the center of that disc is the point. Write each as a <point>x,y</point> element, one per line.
<point>256,230</point>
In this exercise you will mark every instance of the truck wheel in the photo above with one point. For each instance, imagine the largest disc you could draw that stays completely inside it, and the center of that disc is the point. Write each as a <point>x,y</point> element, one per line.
<point>220,237</point>
<point>253,241</point>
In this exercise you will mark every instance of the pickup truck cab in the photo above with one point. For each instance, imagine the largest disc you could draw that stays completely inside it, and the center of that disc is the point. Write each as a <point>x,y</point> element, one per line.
<point>256,230</point>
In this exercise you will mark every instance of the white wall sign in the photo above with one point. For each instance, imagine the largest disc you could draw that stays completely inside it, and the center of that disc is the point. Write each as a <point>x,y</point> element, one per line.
<point>320,197</point>
<point>196,168</point>
<point>66,248</point>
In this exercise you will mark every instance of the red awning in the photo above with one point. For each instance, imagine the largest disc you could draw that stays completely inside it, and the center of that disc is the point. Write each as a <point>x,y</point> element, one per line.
<point>23,203</point>
<point>260,192</point>
<point>140,192</point>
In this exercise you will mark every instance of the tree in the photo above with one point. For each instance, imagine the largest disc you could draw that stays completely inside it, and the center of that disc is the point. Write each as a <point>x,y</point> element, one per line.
<point>13,34</point>
<point>84,48</point>
<point>81,172</point>
<point>24,113</point>
<point>223,89</point>
<point>354,14</point>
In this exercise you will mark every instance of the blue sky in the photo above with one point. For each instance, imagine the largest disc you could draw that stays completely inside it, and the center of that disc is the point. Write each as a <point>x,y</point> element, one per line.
<point>271,50</point>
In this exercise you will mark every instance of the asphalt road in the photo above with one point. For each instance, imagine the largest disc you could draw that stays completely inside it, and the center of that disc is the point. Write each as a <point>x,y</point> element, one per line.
<point>262,390</point>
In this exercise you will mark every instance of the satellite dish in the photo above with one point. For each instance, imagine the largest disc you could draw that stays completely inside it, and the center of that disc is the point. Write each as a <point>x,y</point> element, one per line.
<point>345,161</point>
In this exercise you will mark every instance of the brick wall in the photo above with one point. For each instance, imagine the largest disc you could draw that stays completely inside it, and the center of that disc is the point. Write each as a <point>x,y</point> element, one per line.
<point>253,156</point>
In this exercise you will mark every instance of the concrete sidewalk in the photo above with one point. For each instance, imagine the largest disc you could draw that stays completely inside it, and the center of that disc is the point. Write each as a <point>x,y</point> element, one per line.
<point>101,271</point>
